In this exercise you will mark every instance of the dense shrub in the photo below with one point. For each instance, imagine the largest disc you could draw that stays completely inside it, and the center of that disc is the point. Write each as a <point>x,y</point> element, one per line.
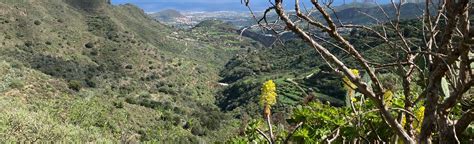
<point>17,84</point>
<point>16,64</point>
<point>94,53</point>
<point>131,100</point>
<point>75,85</point>
<point>145,95</point>
<point>198,131</point>
<point>37,22</point>
<point>29,44</point>
<point>89,45</point>
<point>118,104</point>
<point>167,90</point>
<point>91,83</point>
<point>128,67</point>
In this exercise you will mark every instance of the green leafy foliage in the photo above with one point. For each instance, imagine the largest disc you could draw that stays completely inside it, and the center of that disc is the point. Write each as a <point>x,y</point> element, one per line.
<point>323,121</point>
<point>320,120</point>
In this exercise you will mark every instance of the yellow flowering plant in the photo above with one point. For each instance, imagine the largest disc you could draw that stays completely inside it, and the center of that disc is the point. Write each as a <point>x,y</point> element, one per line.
<point>388,95</point>
<point>268,96</point>
<point>420,115</point>
<point>347,82</point>
<point>268,99</point>
<point>350,87</point>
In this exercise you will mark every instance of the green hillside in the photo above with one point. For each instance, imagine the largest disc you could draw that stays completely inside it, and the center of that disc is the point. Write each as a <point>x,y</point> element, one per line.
<point>86,71</point>
<point>299,72</point>
<point>92,72</point>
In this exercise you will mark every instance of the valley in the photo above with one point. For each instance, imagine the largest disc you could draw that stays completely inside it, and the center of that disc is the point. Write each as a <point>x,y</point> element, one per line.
<point>94,72</point>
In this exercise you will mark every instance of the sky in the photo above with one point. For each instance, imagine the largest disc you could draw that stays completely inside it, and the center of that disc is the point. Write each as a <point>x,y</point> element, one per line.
<point>207,5</point>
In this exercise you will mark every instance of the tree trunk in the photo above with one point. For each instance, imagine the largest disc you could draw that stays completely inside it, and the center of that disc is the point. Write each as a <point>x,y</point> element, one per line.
<point>447,134</point>
<point>430,114</point>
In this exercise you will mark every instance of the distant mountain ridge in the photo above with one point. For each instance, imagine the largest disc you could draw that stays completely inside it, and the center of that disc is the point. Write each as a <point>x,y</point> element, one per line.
<point>168,14</point>
<point>366,15</point>
<point>354,13</point>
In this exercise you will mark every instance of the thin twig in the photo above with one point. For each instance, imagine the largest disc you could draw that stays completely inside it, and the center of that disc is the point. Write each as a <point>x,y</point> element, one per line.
<point>264,135</point>
<point>287,139</point>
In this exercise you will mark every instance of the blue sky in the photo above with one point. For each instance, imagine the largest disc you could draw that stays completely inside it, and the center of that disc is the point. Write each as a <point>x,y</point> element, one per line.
<point>204,5</point>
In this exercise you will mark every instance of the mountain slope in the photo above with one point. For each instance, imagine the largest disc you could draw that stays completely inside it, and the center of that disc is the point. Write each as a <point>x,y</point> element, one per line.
<point>299,73</point>
<point>167,15</point>
<point>92,72</point>
<point>372,14</point>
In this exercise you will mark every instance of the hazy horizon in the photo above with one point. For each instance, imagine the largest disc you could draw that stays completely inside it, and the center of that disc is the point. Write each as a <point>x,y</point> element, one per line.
<point>209,5</point>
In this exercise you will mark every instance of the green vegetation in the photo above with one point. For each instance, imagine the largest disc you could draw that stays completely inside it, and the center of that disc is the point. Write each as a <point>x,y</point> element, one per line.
<point>92,72</point>
<point>88,71</point>
<point>308,90</point>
